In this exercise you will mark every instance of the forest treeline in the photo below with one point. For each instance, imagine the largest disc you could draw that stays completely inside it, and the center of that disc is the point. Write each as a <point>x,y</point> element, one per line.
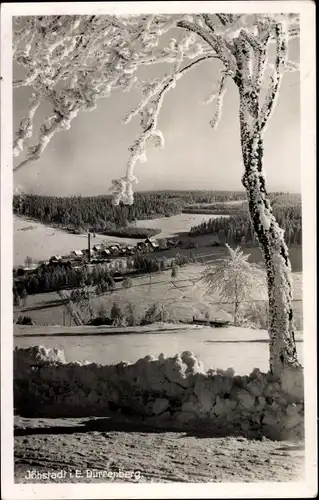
<point>96,213</point>
<point>93,213</point>
<point>215,209</point>
<point>52,278</point>
<point>238,229</point>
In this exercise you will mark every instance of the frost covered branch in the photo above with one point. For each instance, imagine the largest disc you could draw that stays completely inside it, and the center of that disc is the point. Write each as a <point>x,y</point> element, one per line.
<point>148,109</point>
<point>276,77</point>
<point>26,125</point>
<point>234,279</point>
<point>72,61</point>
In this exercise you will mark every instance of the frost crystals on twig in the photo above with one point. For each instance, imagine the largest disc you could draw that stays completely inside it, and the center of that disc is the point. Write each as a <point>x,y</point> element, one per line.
<point>218,97</point>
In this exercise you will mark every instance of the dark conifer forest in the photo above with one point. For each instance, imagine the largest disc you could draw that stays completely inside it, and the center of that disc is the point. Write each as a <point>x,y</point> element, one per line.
<point>98,214</point>
<point>238,229</point>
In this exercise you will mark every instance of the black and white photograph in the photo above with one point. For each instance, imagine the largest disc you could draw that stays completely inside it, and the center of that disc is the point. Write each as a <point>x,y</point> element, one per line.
<point>158,295</point>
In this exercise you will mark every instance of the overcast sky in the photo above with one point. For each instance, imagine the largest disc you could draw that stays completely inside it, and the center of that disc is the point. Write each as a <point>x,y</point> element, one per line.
<point>84,159</point>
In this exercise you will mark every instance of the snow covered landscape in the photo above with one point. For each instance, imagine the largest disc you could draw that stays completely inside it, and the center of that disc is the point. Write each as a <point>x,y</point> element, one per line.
<point>39,241</point>
<point>153,343</point>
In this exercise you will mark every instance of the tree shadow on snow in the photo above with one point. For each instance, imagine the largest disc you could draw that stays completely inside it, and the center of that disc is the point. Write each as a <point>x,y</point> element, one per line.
<point>119,423</point>
<point>102,424</point>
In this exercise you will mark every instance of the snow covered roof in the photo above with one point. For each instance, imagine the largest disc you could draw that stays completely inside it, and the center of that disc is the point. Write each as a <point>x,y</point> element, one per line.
<point>32,267</point>
<point>78,253</point>
<point>152,242</point>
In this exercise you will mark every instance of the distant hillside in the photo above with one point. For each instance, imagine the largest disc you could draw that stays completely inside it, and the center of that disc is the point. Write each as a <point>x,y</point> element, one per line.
<point>97,214</point>
<point>285,199</point>
<point>238,228</point>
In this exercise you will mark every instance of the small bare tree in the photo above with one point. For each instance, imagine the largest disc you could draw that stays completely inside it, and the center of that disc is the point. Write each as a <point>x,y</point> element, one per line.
<point>234,279</point>
<point>174,271</point>
<point>28,261</point>
<point>83,299</point>
<point>127,283</point>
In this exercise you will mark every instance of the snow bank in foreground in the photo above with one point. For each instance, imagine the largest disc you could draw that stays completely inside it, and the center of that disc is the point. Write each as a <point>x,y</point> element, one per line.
<point>170,392</point>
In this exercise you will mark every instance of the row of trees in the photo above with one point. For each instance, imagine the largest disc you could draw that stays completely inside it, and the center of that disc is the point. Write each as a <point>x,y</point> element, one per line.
<point>278,199</point>
<point>99,210</point>
<point>96,212</point>
<point>131,232</point>
<point>53,278</point>
<point>100,215</point>
<point>202,196</point>
<point>217,209</point>
<point>238,229</point>
<point>126,315</point>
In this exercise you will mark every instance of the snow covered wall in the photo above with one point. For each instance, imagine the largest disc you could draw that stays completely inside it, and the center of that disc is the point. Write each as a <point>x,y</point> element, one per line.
<point>168,392</point>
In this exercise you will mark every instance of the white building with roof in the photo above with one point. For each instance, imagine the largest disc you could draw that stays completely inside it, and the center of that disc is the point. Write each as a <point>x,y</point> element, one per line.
<point>77,253</point>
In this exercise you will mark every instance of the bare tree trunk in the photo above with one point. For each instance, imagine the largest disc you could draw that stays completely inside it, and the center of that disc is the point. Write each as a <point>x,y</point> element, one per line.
<point>236,303</point>
<point>282,346</point>
<point>236,313</point>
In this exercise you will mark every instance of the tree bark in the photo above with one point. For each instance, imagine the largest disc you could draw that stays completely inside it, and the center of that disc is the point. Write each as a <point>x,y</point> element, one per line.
<point>282,346</point>
<point>236,303</point>
<point>236,313</point>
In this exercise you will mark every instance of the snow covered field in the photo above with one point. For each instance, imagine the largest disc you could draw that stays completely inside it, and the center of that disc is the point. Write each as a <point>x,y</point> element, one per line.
<point>163,457</point>
<point>182,298</point>
<point>39,242</point>
<point>171,226</point>
<point>240,348</point>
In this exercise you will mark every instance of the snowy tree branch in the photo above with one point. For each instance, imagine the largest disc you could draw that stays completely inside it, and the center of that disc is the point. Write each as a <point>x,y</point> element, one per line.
<point>276,78</point>
<point>26,127</point>
<point>122,188</point>
<point>72,61</point>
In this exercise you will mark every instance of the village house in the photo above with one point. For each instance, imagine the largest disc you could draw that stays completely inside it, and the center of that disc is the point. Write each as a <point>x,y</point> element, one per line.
<point>105,252</point>
<point>98,248</point>
<point>55,258</point>
<point>114,249</point>
<point>25,270</point>
<point>77,253</point>
<point>152,243</point>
